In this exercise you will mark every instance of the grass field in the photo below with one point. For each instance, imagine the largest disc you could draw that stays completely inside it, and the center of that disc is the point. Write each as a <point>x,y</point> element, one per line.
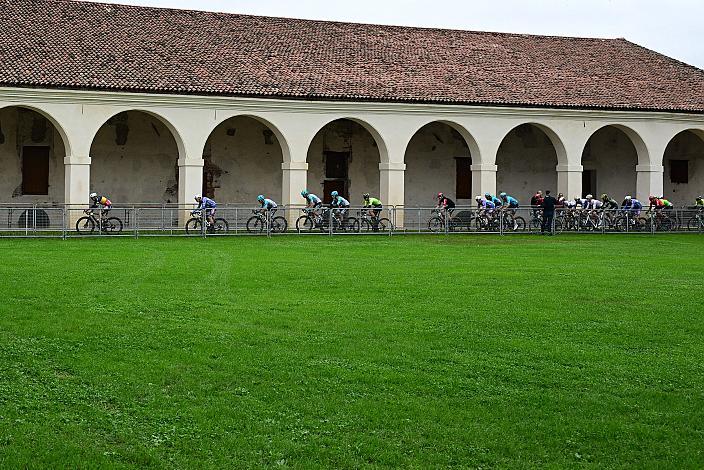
<point>352,352</point>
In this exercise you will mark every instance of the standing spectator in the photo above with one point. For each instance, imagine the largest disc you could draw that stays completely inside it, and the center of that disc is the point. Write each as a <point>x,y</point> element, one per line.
<point>536,201</point>
<point>548,206</point>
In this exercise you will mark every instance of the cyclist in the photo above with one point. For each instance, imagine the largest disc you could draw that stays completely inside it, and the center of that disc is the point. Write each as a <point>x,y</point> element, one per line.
<point>497,202</point>
<point>561,200</point>
<point>591,203</point>
<point>210,207</point>
<point>485,205</point>
<point>445,204</point>
<point>373,204</point>
<point>101,202</point>
<point>340,206</point>
<point>655,204</point>
<point>699,203</point>
<point>267,204</point>
<point>509,202</point>
<point>667,205</point>
<point>631,205</point>
<point>608,203</point>
<point>312,201</point>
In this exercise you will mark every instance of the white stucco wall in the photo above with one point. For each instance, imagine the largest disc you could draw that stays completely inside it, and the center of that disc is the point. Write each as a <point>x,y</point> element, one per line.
<point>685,146</point>
<point>431,166</point>
<point>345,136</point>
<point>612,154</point>
<point>245,164</point>
<point>16,126</point>
<point>143,170</point>
<point>526,163</point>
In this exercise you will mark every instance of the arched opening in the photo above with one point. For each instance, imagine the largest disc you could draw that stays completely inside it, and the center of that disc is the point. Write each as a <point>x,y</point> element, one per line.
<point>242,158</point>
<point>609,160</point>
<point>134,159</point>
<point>343,156</point>
<point>684,167</point>
<point>437,159</point>
<point>32,154</point>
<point>527,162</point>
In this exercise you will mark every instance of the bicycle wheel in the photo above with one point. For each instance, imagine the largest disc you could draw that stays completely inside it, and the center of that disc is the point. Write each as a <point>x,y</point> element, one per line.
<point>255,224</point>
<point>85,225</point>
<point>279,225</point>
<point>384,225</point>
<point>113,225</point>
<point>695,224</point>
<point>304,224</point>
<point>519,224</point>
<point>352,224</point>
<point>535,224</point>
<point>621,224</point>
<point>665,225</point>
<point>193,226</point>
<point>220,226</point>
<point>435,224</point>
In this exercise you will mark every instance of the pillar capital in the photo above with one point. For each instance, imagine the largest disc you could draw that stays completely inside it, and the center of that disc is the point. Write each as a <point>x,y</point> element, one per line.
<point>484,167</point>
<point>294,166</point>
<point>650,168</point>
<point>576,168</point>
<point>191,162</point>
<point>76,160</point>
<point>392,166</point>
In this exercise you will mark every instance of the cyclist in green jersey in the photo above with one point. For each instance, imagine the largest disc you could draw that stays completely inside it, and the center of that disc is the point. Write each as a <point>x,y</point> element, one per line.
<point>373,204</point>
<point>699,203</point>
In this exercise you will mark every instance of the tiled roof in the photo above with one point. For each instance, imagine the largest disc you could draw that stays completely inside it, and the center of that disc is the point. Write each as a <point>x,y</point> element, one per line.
<point>80,45</point>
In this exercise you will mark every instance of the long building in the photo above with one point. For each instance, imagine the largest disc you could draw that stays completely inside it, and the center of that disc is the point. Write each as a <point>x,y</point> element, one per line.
<point>156,105</point>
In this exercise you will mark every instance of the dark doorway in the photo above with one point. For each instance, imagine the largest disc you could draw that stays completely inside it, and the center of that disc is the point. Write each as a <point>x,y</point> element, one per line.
<point>35,170</point>
<point>463,183</point>
<point>336,175</point>
<point>588,182</point>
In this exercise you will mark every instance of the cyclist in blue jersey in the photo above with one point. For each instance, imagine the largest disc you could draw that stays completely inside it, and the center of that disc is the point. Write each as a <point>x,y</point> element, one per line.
<point>312,201</point>
<point>509,202</point>
<point>497,202</point>
<point>209,206</point>
<point>340,206</point>
<point>267,204</point>
<point>632,205</point>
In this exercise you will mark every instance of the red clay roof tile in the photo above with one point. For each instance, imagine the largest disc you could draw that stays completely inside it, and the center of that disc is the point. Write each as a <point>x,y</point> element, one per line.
<point>81,45</point>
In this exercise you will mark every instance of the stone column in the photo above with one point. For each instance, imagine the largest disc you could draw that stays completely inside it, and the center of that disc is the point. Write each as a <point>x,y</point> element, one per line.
<point>484,178</point>
<point>569,180</point>
<point>391,188</point>
<point>190,183</point>
<point>649,181</point>
<point>76,187</point>
<point>295,180</point>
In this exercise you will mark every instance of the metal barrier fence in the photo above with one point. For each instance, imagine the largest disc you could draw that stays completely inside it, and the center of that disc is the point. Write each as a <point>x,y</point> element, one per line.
<point>229,220</point>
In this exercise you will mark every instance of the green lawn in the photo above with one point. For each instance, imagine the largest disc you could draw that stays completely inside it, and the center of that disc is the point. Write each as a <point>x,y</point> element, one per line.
<point>352,352</point>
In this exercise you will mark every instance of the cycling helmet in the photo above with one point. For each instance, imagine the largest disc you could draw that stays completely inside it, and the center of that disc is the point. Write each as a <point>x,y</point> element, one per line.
<point>478,198</point>
<point>699,198</point>
<point>503,195</point>
<point>604,197</point>
<point>651,197</point>
<point>365,195</point>
<point>94,195</point>
<point>334,194</point>
<point>197,196</point>
<point>628,198</point>
<point>487,195</point>
<point>589,196</point>
<point>304,193</point>
<point>260,198</point>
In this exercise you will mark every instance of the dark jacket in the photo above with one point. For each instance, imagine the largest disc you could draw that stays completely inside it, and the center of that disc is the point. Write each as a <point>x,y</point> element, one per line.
<point>549,204</point>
